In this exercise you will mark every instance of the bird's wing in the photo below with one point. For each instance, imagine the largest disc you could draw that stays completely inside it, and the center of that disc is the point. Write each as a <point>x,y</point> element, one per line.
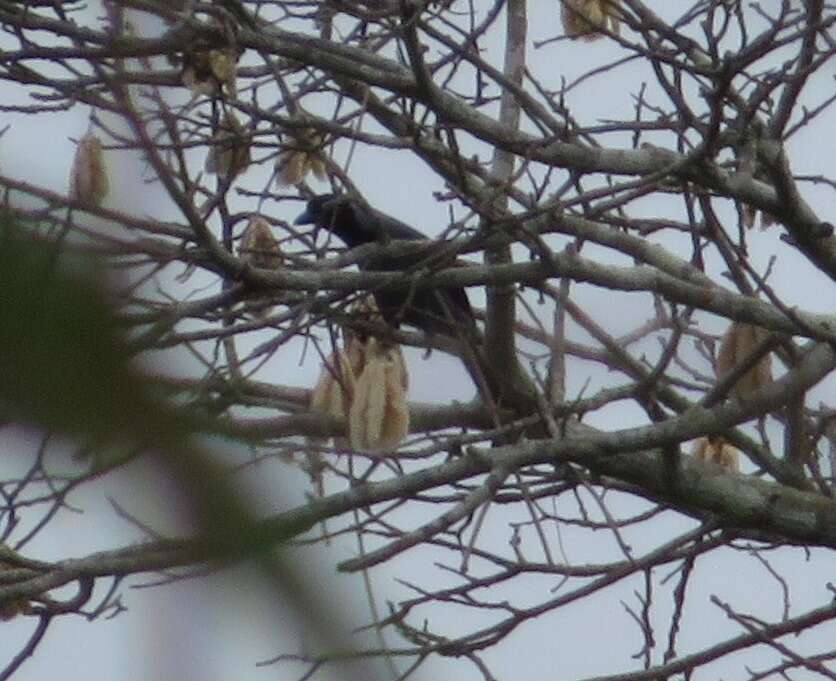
<point>388,227</point>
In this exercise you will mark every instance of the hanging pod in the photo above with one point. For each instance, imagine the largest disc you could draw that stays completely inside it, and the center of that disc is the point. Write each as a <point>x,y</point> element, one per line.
<point>716,451</point>
<point>335,388</point>
<point>738,343</point>
<point>258,246</point>
<point>230,152</point>
<point>300,157</point>
<point>379,415</point>
<point>88,177</point>
<point>586,19</point>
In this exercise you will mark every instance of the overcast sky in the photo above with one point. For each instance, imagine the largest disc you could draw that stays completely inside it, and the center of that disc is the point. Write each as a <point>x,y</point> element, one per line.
<point>218,627</point>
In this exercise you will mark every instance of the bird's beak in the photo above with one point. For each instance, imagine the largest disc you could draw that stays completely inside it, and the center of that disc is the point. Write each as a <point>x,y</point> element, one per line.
<point>304,219</point>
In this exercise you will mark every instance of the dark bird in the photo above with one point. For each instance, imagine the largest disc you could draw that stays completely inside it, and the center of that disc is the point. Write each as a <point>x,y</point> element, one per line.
<point>444,310</point>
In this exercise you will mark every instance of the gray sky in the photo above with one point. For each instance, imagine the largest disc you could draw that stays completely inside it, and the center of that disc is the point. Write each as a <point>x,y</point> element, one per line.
<point>218,627</point>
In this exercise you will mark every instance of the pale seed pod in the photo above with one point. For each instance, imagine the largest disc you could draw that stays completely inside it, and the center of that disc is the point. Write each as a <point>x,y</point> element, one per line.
<point>224,67</point>
<point>362,309</point>
<point>585,19</point>
<point>737,344</point>
<point>301,157</point>
<point>209,72</point>
<point>258,246</point>
<point>88,177</point>
<point>336,386</point>
<point>379,415</point>
<point>750,215</point>
<point>717,452</point>
<point>316,165</point>
<point>365,308</point>
<point>290,167</point>
<point>332,394</point>
<point>197,74</point>
<point>767,220</point>
<point>357,353</point>
<point>230,152</point>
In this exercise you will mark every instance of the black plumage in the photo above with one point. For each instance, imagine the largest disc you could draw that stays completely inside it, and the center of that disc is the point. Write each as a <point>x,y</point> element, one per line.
<point>443,310</point>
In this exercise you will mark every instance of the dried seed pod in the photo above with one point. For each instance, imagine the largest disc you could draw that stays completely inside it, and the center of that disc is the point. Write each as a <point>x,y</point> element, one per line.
<point>88,177</point>
<point>586,19</point>
<point>362,309</point>
<point>357,352</point>
<point>365,308</point>
<point>224,67</point>
<point>197,74</point>
<point>290,167</point>
<point>737,344</point>
<point>332,394</point>
<point>379,416</point>
<point>230,152</point>
<point>750,216</point>
<point>258,246</point>
<point>210,72</point>
<point>336,386</point>
<point>716,451</point>
<point>768,220</point>
<point>302,156</point>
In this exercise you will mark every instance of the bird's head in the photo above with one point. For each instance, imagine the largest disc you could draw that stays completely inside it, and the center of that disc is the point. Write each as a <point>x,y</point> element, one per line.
<point>318,208</point>
<point>341,215</point>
